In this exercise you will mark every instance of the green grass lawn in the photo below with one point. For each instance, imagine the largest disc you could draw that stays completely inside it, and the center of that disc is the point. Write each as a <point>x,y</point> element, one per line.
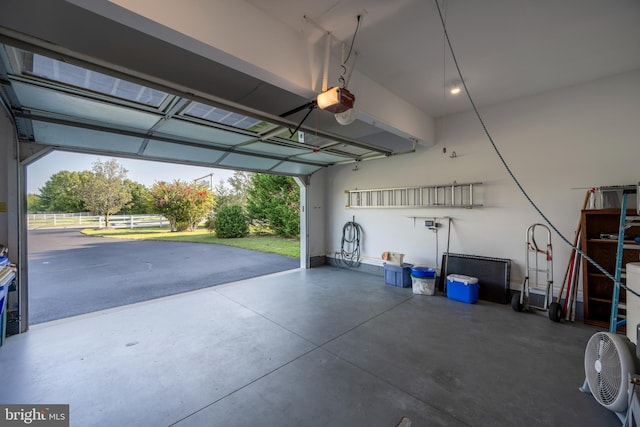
<point>269,244</point>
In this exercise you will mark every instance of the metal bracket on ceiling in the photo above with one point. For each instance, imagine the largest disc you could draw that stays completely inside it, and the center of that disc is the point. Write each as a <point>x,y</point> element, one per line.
<point>327,55</point>
<point>176,106</point>
<point>30,152</point>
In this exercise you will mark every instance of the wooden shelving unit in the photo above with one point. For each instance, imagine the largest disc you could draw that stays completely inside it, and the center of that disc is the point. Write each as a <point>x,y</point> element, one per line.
<point>598,288</point>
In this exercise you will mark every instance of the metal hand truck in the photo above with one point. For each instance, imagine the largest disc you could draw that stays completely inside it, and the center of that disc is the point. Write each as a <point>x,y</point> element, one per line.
<point>539,271</point>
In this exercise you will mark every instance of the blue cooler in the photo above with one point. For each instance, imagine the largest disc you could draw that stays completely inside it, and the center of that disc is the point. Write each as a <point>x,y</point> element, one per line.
<point>462,288</point>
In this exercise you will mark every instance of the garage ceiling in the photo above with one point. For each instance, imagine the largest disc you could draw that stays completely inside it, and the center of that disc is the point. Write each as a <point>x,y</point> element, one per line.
<point>507,48</point>
<point>210,83</point>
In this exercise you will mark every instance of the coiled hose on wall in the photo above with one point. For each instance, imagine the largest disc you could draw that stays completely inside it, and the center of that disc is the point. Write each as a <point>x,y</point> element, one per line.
<point>350,245</point>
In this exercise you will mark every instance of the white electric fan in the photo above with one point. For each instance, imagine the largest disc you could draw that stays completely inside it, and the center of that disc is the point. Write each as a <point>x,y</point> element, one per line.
<point>608,361</point>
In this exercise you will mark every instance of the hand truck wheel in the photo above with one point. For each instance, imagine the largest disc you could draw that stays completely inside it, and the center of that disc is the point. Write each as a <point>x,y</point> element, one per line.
<point>555,311</point>
<point>515,303</point>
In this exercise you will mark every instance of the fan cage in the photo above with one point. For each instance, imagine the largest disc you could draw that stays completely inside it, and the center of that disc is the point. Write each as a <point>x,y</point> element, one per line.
<point>608,362</point>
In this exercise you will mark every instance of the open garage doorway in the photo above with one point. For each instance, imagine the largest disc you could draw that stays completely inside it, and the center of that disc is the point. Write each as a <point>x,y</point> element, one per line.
<point>60,101</point>
<point>78,265</point>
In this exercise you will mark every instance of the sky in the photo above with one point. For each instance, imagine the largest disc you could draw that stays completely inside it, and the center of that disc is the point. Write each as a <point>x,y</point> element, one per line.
<point>143,171</point>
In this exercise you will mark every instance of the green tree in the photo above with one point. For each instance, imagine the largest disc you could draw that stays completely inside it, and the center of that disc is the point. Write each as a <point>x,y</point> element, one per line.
<point>106,192</point>
<point>141,201</point>
<point>61,193</point>
<point>240,183</point>
<point>182,202</point>
<point>34,203</point>
<point>231,222</point>
<point>223,196</point>
<point>233,191</point>
<point>276,200</point>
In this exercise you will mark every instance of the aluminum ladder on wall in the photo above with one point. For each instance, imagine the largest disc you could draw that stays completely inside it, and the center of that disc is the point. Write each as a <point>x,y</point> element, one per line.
<point>625,222</point>
<point>447,196</point>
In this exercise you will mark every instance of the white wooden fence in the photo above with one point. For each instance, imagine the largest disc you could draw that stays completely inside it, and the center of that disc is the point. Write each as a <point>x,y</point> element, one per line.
<point>81,220</point>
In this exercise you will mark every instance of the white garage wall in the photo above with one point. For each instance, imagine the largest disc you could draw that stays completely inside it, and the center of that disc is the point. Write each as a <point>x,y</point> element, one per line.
<point>581,136</point>
<point>8,187</point>
<point>317,214</point>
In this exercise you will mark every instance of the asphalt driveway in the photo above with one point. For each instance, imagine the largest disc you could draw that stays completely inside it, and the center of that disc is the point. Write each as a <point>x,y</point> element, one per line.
<point>71,274</point>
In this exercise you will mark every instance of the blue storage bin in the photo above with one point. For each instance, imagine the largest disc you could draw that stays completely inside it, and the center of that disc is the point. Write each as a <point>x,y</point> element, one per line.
<point>396,275</point>
<point>462,288</point>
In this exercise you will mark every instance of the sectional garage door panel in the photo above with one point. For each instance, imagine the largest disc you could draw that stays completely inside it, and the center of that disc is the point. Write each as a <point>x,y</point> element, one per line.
<point>40,100</point>
<point>185,153</point>
<point>207,134</point>
<point>84,139</point>
<point>290,168</point>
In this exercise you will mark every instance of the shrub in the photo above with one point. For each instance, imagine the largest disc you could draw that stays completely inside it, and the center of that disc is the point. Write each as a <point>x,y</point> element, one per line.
<point>275,200</point>
<point>231,222</point>
<point>182,201</point>
<point>183,226</point>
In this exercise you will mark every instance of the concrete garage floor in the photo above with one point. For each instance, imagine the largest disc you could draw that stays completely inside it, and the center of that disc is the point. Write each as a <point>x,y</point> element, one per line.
<point>319,347</point>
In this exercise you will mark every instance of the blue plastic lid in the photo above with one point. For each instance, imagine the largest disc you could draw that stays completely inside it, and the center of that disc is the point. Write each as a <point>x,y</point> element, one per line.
<point>423,272</point>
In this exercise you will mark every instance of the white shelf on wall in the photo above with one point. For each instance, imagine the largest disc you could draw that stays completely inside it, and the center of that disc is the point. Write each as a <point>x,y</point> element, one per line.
<point>434,196</point>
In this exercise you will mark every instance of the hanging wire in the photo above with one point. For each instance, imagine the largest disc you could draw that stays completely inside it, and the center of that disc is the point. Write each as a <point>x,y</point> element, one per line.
<point>435,230</point>
<point>350,245</point>
<point>343,65</point>
<point>508,169</point>
<point>444,83</point>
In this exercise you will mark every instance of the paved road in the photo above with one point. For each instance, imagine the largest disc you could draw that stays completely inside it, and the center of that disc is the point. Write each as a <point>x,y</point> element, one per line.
<point>71,274</point>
